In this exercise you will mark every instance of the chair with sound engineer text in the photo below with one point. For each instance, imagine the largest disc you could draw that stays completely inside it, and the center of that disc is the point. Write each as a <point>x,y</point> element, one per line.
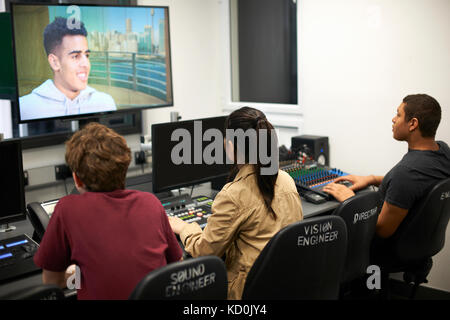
<point>201,278</point>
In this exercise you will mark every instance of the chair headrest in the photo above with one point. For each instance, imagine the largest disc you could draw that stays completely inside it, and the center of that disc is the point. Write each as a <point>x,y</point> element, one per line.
<point>360,213</point>
<point>358,209</point>
<point>422,232</point>
<point>196,278</point>
<point>302,261</point>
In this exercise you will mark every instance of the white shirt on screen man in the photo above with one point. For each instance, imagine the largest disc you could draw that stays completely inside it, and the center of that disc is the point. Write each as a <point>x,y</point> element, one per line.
<point>46,101</point>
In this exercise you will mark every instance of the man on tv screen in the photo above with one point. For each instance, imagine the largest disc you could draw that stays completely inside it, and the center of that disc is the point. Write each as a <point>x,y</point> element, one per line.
<point>68,93</point>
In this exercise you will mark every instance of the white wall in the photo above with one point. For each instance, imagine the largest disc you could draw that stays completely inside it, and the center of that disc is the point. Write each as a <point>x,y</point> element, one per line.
<point>5,106</point>
<point>5,113</point>
<point>358,59</point>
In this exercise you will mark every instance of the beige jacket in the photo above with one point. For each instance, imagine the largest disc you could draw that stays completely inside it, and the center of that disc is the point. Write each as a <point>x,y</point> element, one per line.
<point>241,225</point>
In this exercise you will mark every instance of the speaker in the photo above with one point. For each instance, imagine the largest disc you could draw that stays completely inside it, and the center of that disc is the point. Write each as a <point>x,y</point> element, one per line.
<point>317,145</point>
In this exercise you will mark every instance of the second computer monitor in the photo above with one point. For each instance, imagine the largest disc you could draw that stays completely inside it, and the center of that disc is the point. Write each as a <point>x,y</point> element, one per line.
<point>12,194</point>
<point>168,173</point>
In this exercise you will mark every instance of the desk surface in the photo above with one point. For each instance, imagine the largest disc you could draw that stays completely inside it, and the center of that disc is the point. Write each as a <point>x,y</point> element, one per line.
<point>143,184</point>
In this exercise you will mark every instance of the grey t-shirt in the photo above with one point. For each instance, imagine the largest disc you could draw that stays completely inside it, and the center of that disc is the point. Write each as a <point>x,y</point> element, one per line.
<point>415,175</point>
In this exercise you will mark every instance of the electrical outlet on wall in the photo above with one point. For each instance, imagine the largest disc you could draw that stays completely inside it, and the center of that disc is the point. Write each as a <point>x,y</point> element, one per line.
<point>146,143</point>
<point>62,172</point>
<point>139,157</point>
<point>26,181</point>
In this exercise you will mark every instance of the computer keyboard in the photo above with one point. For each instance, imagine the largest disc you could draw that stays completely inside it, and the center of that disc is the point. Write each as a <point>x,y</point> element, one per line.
<point>49,206</point>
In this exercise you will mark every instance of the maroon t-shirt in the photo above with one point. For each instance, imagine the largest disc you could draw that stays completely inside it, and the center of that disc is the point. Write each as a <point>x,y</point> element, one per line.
<point>116,238</point>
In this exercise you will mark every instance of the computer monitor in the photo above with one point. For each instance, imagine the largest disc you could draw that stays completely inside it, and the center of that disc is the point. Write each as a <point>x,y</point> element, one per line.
<point>12,194</point>
<point>75,61</point>
<point>167,175</point>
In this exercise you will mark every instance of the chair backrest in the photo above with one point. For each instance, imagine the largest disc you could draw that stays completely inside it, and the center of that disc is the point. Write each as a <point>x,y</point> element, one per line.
<point>422,234</point>
<point>302,261</point>
<point>38,292</point>
<point>360,214</point>
<point>202,278</point>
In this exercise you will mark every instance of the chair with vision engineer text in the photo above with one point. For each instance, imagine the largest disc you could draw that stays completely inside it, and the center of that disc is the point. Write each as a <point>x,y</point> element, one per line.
<point>419,237</point>
<point>201,278</point>
<point>304,260</point>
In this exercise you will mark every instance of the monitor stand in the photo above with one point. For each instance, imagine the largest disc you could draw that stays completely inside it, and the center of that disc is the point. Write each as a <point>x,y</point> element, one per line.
<point>7,228</point>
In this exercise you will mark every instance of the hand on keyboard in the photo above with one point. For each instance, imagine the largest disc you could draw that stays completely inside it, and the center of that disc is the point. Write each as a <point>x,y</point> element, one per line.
<point>354,182</point>
<point>339,191</point>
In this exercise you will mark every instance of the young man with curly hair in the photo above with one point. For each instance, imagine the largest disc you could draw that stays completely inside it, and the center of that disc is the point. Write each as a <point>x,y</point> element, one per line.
<point>115,236</point>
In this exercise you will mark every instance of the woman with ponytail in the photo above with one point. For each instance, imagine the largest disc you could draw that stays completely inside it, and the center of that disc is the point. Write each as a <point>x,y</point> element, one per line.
<point>250,209</point>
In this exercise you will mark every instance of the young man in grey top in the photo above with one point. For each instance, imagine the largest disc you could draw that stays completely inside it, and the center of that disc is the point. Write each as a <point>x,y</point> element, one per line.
<point>426,163</point>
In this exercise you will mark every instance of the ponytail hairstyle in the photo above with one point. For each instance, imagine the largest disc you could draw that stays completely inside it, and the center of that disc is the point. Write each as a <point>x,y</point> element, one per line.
<point>249,118</point>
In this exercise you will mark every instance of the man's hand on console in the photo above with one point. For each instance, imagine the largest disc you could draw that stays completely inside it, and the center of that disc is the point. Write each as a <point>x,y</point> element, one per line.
<point>339,191</point>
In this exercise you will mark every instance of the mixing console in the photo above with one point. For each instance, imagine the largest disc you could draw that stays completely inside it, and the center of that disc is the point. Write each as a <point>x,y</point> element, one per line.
<point>310,181</point>
<point>188,209</point>
<point>16,257</point>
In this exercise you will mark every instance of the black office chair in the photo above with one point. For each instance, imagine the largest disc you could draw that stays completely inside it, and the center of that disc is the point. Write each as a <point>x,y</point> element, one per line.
<point>420,236</point>
<point>38,292</point>
<point>360,214</point>
<point>202,278</point>
<point>304,260</point>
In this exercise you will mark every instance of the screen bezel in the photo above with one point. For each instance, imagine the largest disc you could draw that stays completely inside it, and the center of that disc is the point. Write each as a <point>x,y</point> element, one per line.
<point>21,215</point>
<point>93,114</point>
<point>155,174</point>
<point>55,138</point>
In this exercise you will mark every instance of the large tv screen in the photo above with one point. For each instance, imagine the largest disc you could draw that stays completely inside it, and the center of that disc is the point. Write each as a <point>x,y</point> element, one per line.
<point>78,60</point>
